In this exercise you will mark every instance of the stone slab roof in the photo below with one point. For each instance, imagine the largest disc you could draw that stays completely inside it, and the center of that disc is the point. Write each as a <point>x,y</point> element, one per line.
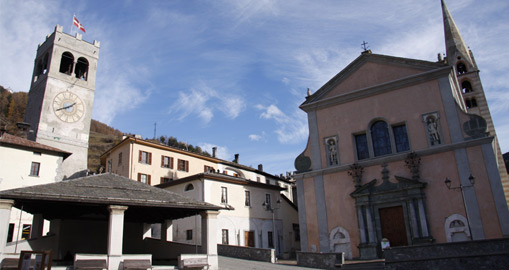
<point>15,141</point>
<point>84,196</point>
<point>221,178</point>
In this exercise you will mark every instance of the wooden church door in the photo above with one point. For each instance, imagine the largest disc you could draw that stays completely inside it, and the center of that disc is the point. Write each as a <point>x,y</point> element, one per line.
<point>392,221</point>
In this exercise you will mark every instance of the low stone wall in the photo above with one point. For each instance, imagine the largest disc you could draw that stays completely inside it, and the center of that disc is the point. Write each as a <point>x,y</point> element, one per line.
<point>248,253</point>
<point>483,254</point>
<point>319,260</point>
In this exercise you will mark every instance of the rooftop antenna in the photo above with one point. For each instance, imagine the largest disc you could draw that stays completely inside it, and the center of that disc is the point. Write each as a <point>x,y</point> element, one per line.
<point>155,127</point>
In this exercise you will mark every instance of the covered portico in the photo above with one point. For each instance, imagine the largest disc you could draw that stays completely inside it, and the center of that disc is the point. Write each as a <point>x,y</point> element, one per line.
<point>105,214</point>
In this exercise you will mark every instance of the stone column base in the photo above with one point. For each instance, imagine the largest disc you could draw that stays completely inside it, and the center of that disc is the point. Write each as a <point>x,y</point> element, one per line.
<point>368,251</point>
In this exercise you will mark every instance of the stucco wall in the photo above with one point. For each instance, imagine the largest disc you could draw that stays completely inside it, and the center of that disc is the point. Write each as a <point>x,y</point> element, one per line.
<point>15,165</point>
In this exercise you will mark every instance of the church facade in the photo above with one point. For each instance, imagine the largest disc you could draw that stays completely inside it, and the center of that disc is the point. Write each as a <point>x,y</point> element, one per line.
<point>398,151</point>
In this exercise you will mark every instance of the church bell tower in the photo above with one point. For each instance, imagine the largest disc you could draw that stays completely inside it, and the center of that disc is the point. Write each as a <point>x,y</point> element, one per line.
<point>61,96</point>
<point>461,59</point>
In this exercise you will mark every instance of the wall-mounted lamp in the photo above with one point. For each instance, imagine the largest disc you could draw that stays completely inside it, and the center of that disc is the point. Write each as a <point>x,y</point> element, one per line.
<point>471,178</point>
<point>268,207</point>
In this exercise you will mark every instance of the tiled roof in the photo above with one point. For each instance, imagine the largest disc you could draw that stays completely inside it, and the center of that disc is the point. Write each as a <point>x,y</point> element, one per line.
<point>9,139</point>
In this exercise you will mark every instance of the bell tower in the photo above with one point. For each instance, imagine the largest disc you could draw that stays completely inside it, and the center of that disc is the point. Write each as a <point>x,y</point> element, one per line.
<point>61,96</point>
<point>461,59</point>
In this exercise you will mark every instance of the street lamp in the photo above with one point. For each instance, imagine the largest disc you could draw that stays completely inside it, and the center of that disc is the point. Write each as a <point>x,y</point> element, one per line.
<point>269,207</point>
<point>471,178</point>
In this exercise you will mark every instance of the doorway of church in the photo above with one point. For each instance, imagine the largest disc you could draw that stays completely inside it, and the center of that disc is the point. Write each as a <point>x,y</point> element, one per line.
<point>392,221</point>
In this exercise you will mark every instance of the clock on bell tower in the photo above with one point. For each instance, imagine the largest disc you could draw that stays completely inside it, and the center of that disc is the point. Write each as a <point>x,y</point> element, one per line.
<point>61,96</point>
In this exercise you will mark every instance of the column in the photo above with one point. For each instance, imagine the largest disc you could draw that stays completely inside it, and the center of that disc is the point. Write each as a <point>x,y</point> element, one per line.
<point>115,235</point>
<point>362,228</point>
<point>413,219</point>
<point>55,226</point>
<point>167,230</point>
<point>37,226</point>
<point>5,216</point>
<point>209,237</point>
<point>371,229</point>
<point>147,230</point>
<point>422,218</point>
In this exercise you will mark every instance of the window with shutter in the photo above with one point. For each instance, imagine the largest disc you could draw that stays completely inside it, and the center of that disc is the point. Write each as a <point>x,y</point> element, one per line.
<point>183,165</point>
<point>145,157</point>
<point>166,162</point>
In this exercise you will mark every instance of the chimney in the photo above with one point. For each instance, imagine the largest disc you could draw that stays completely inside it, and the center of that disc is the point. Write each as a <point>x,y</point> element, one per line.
<point>260,167</point>
<point>214,150</point>
<point>236,160</point>
<point>24,128</point>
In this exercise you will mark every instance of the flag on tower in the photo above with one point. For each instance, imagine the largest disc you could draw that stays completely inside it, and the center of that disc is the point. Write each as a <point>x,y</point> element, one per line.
<point>78,24</point>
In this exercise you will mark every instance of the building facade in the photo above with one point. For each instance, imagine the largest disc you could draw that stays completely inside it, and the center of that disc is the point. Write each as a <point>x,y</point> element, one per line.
<point>396,152</point>
<point>61,96</point>
<point>26,163</point>
<point>247,219</point>
<point>250,196</point>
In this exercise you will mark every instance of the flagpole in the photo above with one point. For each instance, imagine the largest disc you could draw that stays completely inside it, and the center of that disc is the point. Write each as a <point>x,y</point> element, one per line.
<point>72,24</point>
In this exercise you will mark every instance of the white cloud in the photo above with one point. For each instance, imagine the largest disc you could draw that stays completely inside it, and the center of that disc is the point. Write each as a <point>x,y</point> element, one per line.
<point>222,152</point>
<point>292,129</point>
<point>232,106</point>
<point>117,95</point>
<point>23,24</point>
<point>257,137</point>
<point>202,101</point>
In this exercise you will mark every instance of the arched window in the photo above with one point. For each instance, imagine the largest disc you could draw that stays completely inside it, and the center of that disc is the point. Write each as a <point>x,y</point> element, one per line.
<point>456,228</point>
<point>471,103</point>
<point>66,63</point>
<point>466,87</point>
<point>45,64</point>
<point>381,139</point>
<point>38,68</point>
<point>81,69</point>
<point>461,68</point>
<point>189,187</point>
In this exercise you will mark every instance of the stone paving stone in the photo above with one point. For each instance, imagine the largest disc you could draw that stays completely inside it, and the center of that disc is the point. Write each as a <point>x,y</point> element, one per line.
<point>227,263</point>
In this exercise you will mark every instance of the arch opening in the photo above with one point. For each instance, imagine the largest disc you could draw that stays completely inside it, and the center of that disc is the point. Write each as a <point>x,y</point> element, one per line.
<point>66,63</point>
<point>81,69</point>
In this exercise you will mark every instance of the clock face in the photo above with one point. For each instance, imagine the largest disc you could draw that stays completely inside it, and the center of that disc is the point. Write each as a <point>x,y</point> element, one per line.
<point>68,107</point>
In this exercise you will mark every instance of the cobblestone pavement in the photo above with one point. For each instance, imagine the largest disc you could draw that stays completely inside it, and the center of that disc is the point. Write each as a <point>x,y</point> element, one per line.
<point>227,263</point>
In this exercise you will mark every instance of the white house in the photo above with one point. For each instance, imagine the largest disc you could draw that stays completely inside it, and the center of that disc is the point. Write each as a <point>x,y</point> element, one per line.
<point>26,163</point>
<point>242,189</point>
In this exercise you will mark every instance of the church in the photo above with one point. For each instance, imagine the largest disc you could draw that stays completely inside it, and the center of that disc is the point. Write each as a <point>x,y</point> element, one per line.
<point>401,150</point>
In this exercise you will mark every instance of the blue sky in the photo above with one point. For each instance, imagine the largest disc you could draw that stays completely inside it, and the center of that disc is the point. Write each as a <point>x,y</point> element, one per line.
<point>232,74</point>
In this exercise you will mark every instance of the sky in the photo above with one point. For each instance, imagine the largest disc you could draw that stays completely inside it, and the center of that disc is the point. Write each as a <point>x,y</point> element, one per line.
<point>232,73</point>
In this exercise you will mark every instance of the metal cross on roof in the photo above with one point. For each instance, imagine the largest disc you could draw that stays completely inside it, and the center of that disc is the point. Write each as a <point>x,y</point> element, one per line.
<point>364,45</point>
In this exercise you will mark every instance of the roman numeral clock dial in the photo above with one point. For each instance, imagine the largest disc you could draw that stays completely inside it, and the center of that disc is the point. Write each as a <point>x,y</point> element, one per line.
<point>68,107</point>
